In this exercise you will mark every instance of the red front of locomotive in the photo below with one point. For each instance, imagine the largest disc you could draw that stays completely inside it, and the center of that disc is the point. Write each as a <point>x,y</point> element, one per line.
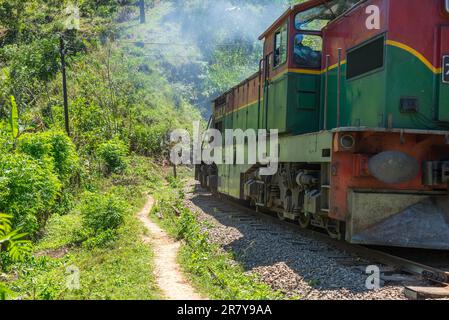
<point>390,161</point>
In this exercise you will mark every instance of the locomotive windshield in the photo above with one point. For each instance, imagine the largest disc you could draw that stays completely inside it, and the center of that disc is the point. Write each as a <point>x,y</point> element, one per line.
<point>316,18</point>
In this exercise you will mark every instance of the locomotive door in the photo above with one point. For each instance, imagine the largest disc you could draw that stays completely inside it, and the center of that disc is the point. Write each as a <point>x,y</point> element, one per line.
<point>266,92</point>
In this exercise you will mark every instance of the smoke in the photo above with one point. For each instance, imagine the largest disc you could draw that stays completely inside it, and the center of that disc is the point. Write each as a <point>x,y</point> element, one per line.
<point>212,22</point>
<point>188,33</point>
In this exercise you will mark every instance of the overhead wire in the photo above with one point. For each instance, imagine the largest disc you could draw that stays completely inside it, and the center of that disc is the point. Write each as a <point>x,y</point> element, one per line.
<point>177,44</point>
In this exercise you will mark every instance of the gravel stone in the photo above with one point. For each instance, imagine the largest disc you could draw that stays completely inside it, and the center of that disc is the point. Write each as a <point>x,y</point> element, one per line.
<point>297,266</point>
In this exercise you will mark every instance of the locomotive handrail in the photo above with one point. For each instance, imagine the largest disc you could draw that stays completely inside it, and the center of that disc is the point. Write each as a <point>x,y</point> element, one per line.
<point>259,95</point>
<point>326,90</point>
<point>266,82</point>
<point>394,130</point>
<point>209,123</point>
<point>339,88</point>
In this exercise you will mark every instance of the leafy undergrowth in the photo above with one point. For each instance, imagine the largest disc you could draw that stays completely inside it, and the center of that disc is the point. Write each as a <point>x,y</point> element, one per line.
<point>112,265</point>
<point>213,271</point>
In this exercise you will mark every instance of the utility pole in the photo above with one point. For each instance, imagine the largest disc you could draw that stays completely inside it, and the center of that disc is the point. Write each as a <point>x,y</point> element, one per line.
<point>175,174</point>
<point>142,11</point>
<point>64,85</point>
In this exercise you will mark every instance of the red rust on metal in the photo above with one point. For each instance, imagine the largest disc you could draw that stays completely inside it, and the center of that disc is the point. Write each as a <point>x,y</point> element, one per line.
<point>420,293</point>
<point>418,146</point>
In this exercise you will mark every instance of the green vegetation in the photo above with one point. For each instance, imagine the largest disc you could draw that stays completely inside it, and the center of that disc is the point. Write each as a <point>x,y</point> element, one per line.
<point>112,260</point>
<point>102,213</point>
<point>12,241</point>
<point>54,148</point>
<point>112,154</point>
<point>213,271</point>
<point>70,201</point>
<point>29,189</point>
<point>14,118</point>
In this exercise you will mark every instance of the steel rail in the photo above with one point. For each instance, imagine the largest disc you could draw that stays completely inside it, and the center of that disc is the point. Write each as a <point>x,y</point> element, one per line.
<point>430,273</point>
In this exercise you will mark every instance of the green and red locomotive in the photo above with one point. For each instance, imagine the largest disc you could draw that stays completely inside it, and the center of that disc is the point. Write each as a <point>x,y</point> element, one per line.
<point>359,92</point>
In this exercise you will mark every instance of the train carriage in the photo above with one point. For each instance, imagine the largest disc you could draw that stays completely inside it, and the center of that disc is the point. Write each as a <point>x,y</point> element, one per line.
<point>359,92</point>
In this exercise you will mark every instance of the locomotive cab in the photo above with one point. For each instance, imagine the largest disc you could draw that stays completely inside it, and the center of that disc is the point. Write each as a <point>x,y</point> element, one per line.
<point>292,66</point>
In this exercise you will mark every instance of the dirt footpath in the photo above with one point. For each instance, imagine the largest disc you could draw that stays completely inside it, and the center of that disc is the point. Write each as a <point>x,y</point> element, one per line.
<point>168,273</point>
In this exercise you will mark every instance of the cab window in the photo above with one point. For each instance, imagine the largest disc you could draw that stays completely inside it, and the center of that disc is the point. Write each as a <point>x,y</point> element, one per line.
<point>308,51</point>
<point>280,47</point>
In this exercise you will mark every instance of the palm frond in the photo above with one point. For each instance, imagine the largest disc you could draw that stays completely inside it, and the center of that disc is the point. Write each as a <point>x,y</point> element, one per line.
<point>16,246</point>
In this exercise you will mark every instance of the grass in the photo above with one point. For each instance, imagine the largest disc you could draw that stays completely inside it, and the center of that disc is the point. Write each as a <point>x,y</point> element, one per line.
<point>59,232</point>
<point>121,270</point>
<point>213,271</point>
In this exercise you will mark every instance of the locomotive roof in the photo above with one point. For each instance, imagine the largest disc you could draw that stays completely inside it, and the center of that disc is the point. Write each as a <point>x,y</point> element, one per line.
<point>253,76</point>
<point>296,8</point>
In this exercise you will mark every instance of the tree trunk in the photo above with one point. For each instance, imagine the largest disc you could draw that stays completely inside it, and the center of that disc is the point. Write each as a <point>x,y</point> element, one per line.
<point>142,11</point>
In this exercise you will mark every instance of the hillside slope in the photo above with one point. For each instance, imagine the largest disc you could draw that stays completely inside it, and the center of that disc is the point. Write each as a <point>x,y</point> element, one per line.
<point>70,229</point>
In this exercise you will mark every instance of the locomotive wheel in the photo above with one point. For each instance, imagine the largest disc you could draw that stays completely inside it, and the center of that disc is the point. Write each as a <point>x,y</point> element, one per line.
<point>334,229</point>
<point>281,216</point>
<point>304,220</point>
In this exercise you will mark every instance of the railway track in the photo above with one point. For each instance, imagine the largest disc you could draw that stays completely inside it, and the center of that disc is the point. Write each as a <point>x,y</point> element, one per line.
<point>433,279</point>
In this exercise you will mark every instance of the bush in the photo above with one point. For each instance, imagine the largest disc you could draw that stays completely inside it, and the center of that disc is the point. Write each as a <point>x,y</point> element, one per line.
<point>27,191</point>
<point>89,121</point>
<point>53,148</point>
<point>12,241</point>
<point>86,238</point>
<point>6,142</point>
<point>102,212</point>
<point>101,240</point>
<point>146,140</point>
<point>112,155</point>
<point>30,65</point>
<point>36,146</point>
<point>38,60</point>
<point>4,292</point>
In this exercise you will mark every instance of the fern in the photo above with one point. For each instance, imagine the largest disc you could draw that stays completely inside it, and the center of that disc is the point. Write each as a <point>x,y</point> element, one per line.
<point>13,240</point>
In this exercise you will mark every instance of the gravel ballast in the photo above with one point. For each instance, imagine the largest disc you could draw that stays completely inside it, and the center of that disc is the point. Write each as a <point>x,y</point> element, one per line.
<point>298,266</point>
